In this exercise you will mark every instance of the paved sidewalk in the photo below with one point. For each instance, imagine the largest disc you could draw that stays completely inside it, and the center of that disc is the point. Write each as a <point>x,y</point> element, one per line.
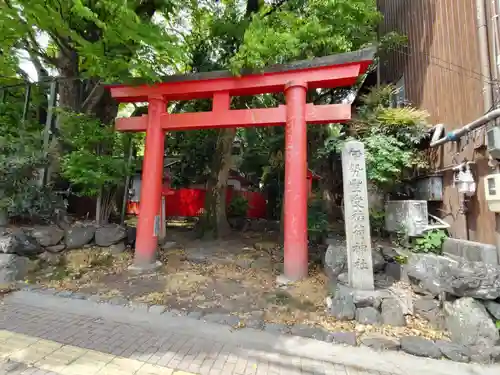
<point>44,334</point>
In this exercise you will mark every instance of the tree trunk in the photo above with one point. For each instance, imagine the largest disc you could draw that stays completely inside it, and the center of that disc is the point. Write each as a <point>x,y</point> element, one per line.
<point>69,89</point>
<point>215,222</point>
<point>331,186</point>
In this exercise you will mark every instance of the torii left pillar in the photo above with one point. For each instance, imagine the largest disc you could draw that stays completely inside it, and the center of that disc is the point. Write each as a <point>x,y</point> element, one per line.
<point>148,226</point>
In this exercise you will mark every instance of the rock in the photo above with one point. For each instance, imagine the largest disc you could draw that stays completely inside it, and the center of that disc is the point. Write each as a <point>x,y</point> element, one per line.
<point>380,342</point>
<point>425,305</point>
<point>56,248</point>
<point>131,235</point>
<point>470,251</point>
<point>363,298</point>
<point>420,346</point>
<point>52,259</point>
<point>348,338</point>
<point>176,312</point>
<point>78,296</point>
<point>335,261</point>
<point>309,332</point>
<point>393,270</point>
<point>378,260</point>
<point>392,313</point>
<point>367,299</point>
<point>255,320</point>
<point>470,324</point>
<point>48,235</point>
<point>231,320</point>
<point>194,315</point>
<point>65,294</point>
<point>495,354</point>
<point>78,236</point>
<point>138,306</point>
<point>389,253</point>
<point>460,278</point>
<point>404,296</point>
<point>428,308</point>
<point>493,308</point>
<point>110,234</point>
<point>484,355</point>
<point>117,248</point>
<point>254,323</point>
<point>343,307</point>
<point>368,315</point>
<point>19,243</point>
<point>12,268</point>
<point>119,301</point>
<point>276,328</point>
<point>238,223</point>
<point>382,281</point>
<point>453,351</point>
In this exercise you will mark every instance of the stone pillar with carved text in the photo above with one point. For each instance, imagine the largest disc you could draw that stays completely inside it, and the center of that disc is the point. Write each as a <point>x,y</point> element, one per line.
<point>356,216</point>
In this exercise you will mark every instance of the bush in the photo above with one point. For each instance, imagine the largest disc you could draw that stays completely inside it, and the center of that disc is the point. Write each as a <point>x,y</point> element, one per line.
<point>21,159</point>
<point>317,221</point>
<point>377,221</point>
<point>430,242</point>
<point>238,206</point>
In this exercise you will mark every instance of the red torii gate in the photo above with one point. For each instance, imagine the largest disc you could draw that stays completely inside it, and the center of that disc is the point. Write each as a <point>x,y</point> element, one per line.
<point>294,79</point>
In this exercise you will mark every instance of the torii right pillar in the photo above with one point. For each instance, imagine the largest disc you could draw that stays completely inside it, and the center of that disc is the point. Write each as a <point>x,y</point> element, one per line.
<point>295,210</point>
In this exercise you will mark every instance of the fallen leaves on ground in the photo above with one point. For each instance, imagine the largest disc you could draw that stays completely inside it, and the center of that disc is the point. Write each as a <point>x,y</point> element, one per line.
<point>223,284</point>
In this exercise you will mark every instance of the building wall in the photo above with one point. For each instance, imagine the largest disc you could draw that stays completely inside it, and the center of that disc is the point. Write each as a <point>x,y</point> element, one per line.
<point>441,69</point>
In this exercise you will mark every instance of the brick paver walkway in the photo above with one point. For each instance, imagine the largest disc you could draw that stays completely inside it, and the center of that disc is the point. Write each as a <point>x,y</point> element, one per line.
<point>53,335</point>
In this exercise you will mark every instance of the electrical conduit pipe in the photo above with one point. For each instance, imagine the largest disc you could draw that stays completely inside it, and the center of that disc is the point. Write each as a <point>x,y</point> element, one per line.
<point>456,134</point>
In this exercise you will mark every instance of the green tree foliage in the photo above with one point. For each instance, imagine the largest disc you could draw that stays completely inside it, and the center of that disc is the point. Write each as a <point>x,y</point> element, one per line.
<point>112,40</point>
<point>237,34</point>
<point>391,137</point>
<point>296,29</point>
<point>86,165</point>
<point>95,164</point>
<point>21,158</point>
<point>121,41</point>
<point>86,43</point>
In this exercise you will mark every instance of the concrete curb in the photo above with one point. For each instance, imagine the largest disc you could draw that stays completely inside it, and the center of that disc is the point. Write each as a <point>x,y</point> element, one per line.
<point>251,340</point>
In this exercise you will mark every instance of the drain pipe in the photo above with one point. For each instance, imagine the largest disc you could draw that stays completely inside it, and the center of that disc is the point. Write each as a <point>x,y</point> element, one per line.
<point>484,56</point>
<point>456,134</point>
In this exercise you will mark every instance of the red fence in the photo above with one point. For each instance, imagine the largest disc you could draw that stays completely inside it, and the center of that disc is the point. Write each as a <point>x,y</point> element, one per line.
<point>191,202</point>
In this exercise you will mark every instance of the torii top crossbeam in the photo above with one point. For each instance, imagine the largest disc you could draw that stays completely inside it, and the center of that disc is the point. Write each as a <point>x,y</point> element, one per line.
<point>325,72</point>
<point>294,80</point>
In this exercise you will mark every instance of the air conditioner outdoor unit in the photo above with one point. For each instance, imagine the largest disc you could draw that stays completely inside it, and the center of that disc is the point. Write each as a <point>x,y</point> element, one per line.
<point>493,142</point>
<point>492,191</point>
<point>409,217</point>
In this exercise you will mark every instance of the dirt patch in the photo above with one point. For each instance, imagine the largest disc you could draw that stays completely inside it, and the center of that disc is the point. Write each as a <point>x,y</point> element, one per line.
<point>236,276</point>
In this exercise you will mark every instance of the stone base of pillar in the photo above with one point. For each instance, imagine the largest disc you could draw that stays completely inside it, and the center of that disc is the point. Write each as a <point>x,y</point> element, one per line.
<point>283,281</point>
<point>145,267</point>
